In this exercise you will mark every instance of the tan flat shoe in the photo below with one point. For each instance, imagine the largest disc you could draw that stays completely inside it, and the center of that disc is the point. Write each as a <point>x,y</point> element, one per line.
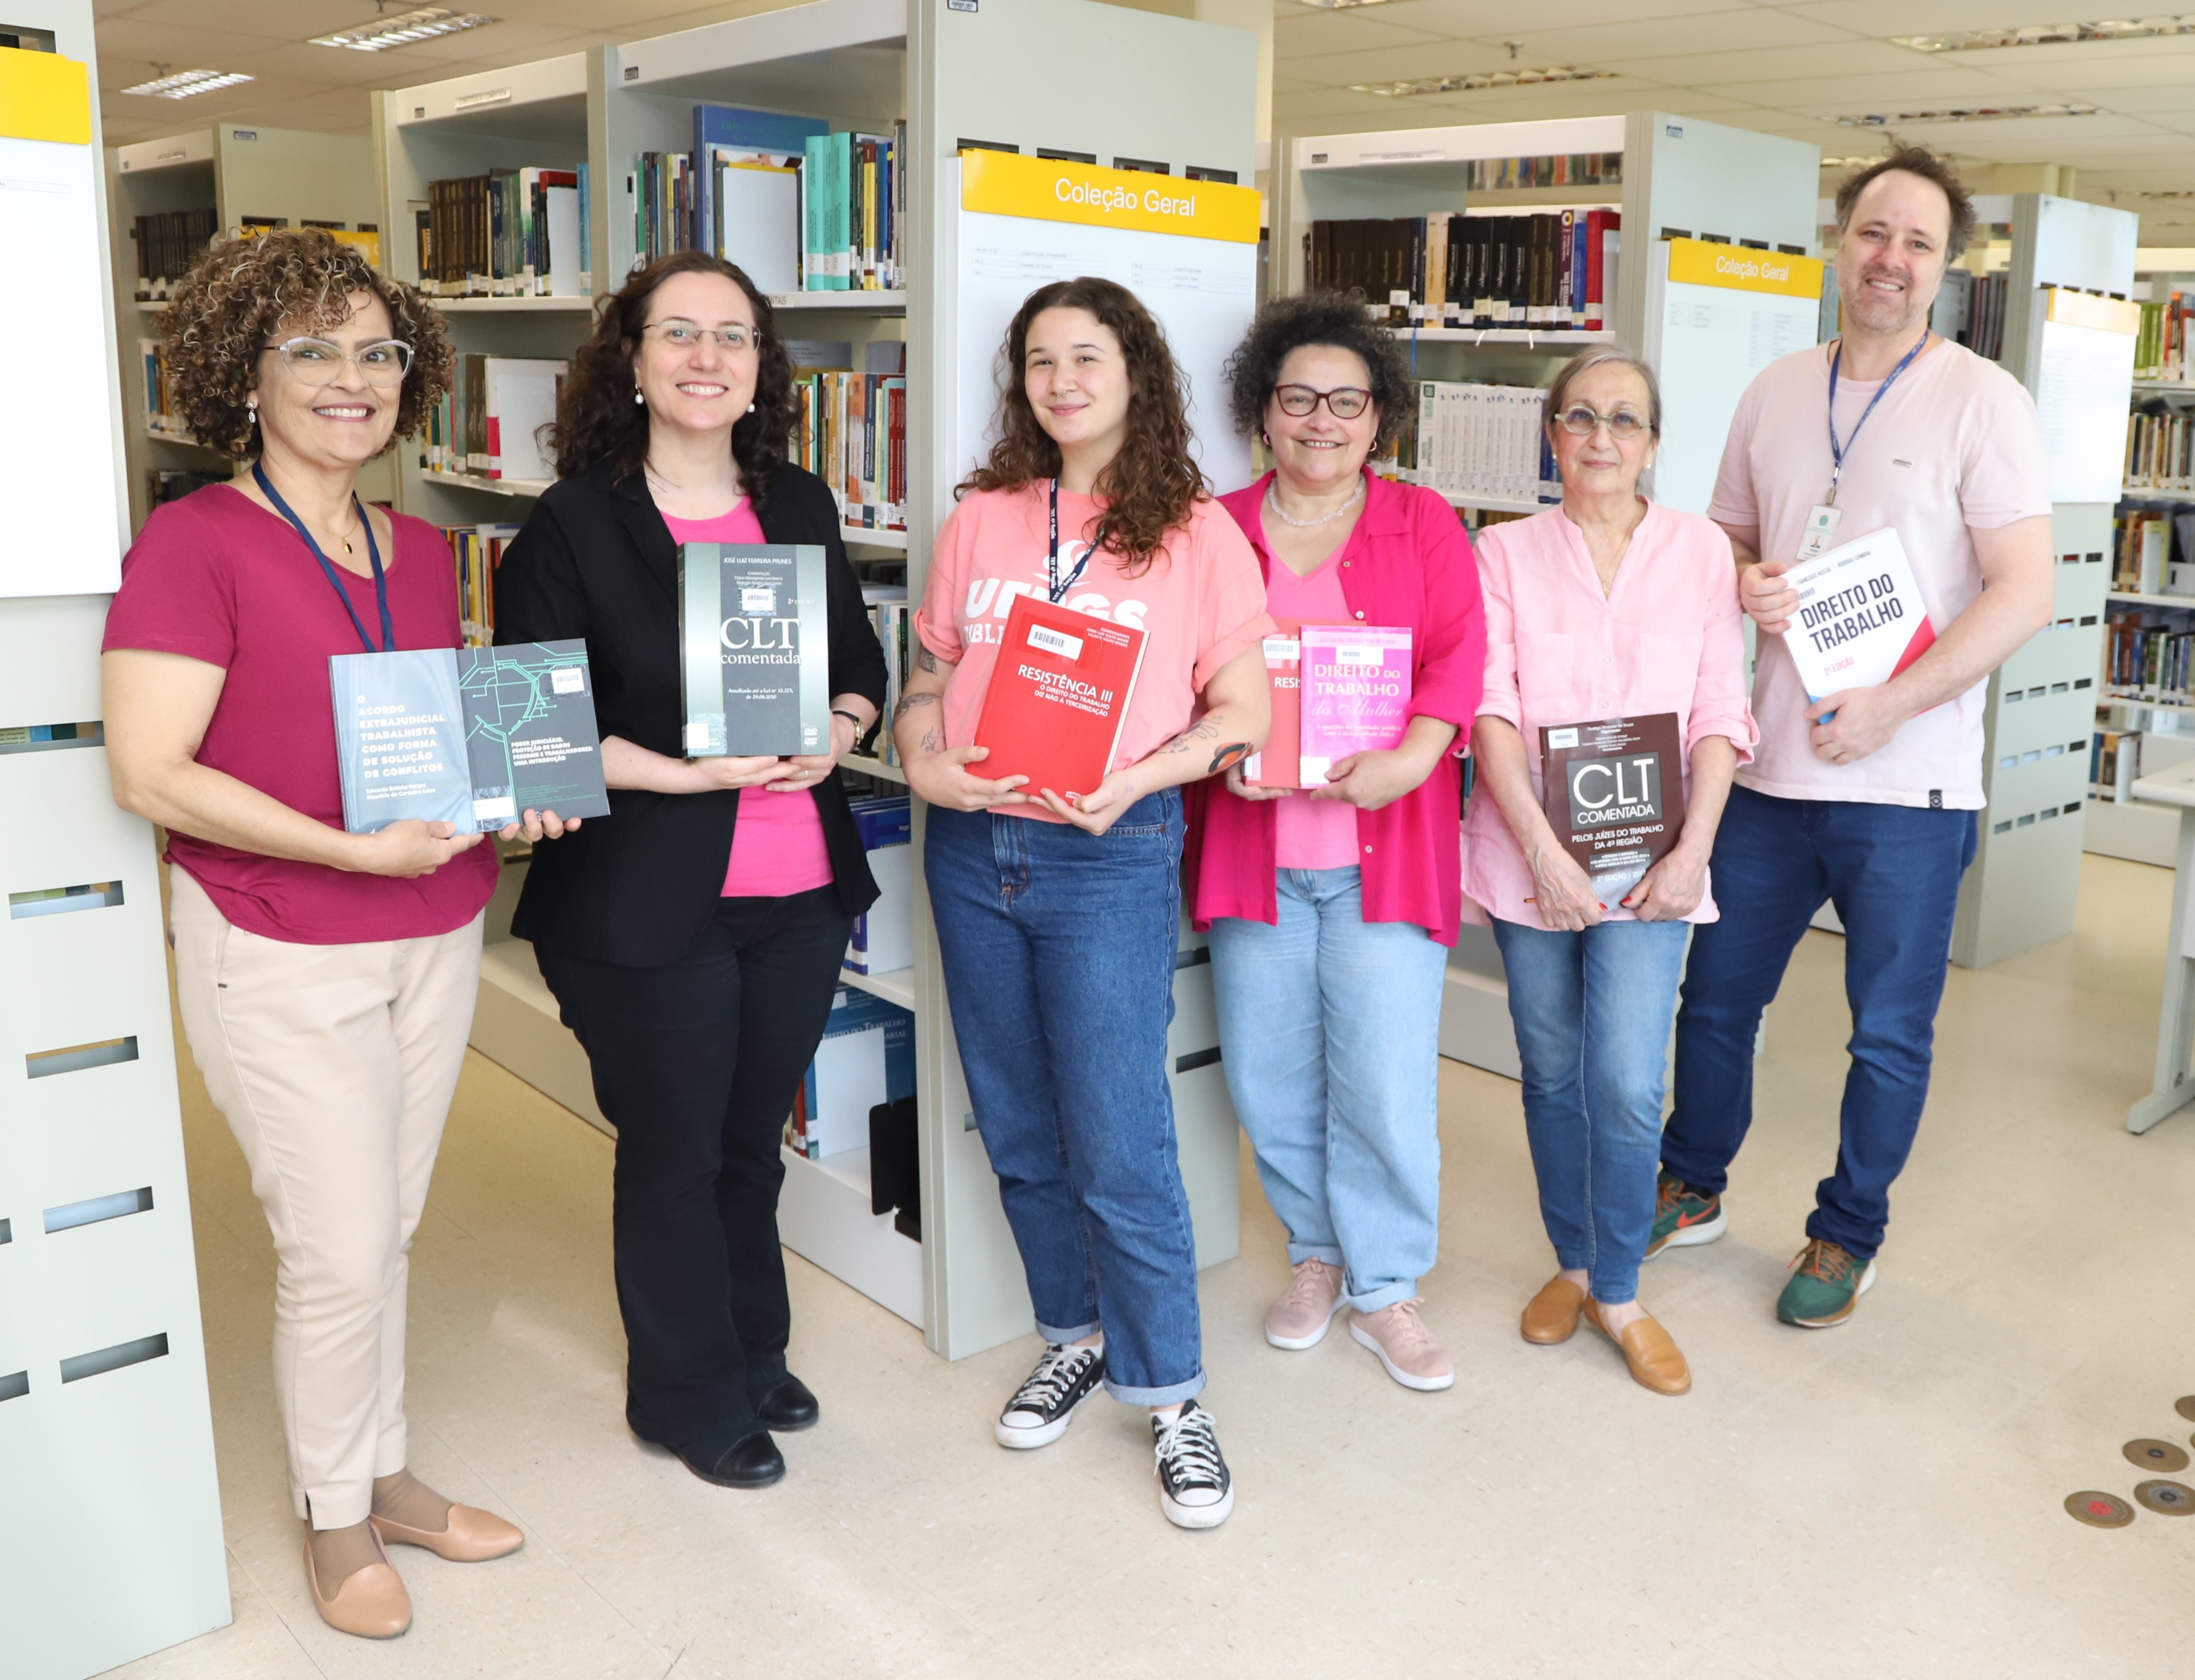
<point>1653,1358</point>
<point>1551,1315</point>
<point>473,1536</point>
<point>371,1603</point>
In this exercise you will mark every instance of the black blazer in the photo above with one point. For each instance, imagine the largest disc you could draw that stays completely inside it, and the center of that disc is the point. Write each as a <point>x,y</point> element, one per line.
<point>596,560</point>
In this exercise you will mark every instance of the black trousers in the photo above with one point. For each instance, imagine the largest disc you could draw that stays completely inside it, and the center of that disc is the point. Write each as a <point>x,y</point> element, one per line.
<point>695,1064</point>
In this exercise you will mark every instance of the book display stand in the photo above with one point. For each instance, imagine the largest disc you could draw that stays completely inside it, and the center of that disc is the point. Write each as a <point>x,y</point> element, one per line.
<point>106,1432</point>
<point>952,75</point>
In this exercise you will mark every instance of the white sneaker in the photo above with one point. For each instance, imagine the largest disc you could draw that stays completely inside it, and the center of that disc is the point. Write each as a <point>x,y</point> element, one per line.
<point>1298,1319</point>
<point>1194,1489</point>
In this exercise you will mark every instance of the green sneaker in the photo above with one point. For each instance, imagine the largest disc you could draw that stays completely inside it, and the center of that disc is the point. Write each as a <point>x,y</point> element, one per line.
<point>1826,1284</point>
<point>1684,1216</point>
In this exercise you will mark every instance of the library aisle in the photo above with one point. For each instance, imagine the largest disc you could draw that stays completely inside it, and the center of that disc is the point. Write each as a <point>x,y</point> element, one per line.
<point>1883,1500</point>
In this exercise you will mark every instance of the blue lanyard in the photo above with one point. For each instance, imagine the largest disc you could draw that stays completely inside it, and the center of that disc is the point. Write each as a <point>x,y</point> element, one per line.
<point>1052,559</point>
<point>372,553</point>
<point>1837,450</point>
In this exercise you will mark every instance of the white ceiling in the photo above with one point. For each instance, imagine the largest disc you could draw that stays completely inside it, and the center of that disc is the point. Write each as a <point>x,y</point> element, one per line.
<point>1786,69</point>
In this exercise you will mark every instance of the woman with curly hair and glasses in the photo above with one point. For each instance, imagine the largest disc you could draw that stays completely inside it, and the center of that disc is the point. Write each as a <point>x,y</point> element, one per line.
<point>693,942</point>
<point>1331,908</point>
<point>326,979</point>
<point>1059,915</point>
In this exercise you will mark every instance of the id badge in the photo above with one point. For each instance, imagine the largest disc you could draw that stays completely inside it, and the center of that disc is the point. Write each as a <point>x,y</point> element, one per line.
<point>1821,535</point>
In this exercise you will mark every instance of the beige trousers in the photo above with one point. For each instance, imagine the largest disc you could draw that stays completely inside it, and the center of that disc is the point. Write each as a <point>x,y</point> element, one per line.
<point>334,1065</point>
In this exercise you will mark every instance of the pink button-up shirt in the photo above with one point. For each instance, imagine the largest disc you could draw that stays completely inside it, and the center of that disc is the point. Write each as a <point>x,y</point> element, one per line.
<point>1407,565</point>
<point>1668,637</point>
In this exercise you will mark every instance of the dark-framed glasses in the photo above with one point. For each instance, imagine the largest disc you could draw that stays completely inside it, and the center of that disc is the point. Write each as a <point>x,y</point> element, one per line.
<point>1345,402</point>
<point>315,361</point>
<point>685,335</point>
<point>1623,425</point>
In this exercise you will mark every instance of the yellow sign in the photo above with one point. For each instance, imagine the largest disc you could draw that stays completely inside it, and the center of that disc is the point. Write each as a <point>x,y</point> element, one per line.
<point>2105,315</point>
<point>44,97</point>
<point>1742,269</point>
<point>1005,183</point>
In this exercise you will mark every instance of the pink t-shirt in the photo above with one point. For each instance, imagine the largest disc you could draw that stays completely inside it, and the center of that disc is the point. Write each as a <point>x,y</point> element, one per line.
<point>218,578</point>
<point>1670,637</point>
<point>1954,443</point>
<point>1199,603</point>
<point>777,841</point>
<point>1311,834</point>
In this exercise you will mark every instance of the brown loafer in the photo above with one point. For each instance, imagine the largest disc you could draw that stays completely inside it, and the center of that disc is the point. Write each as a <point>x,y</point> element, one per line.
<point>1551,1315</point>
<point>1653,1358</point>
<point>371,1603</point>
<point>473,1536</point>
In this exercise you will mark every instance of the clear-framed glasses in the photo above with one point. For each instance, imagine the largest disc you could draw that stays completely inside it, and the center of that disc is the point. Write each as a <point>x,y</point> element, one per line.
<point>684,335</point>
<point>1623,425</point>
<point>1345,402</point>
<point>315,361</point>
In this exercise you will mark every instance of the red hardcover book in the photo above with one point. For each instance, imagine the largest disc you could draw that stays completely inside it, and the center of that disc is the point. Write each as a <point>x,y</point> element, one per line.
<point>1058,697</point>
<point>1276,766</point>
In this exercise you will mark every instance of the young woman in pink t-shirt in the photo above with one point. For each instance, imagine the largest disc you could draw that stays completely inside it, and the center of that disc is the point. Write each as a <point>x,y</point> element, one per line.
<point>1057,916</point>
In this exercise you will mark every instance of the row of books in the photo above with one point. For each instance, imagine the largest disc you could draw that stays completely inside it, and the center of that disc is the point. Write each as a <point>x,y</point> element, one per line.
<point>1549,270</point>
<point>2160,453</point>
<point>2114,763</point>
<point>476,552</point>
<point>160,418</point>
<point>852,434</point>
<point>490,424</point>
<point>168,242</point>
<point>510,233</point>
<point>1984,332</point>
<point>2141,547</point>
<point>882,937</point>
<point>2160,344</point>
<point>895,627</point>
<point>865,1062</point>
<point>2147,662</point>
<point>1559,169</point>
<point>1486,440</point>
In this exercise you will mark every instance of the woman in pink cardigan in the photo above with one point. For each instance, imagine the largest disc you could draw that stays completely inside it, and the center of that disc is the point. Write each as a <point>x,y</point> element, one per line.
<point>1331,909</point>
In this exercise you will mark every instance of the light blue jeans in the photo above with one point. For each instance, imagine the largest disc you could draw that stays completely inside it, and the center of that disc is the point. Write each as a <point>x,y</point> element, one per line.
<point>1329,1030</point>
<point>1592,1011</point>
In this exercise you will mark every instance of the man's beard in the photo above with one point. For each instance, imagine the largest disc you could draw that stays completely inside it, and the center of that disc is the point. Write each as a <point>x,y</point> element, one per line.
<point>1879,314</point>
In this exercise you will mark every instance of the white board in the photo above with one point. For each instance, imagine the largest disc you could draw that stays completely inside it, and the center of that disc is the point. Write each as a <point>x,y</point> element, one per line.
<point>58,531</point>
<point>2081,395</point>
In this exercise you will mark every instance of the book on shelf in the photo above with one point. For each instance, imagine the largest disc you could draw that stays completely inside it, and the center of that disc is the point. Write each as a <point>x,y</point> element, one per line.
<point>489,423</point>
<point>1983,332</point>
<point>851,432</point>
<point>1860,619</point>
<point>1355,693</point>
<point>883,937</point>
<point>476,552</point>
<point>738,129</point>
<point>1274,765</point>
<point>1469,439</point>
<point>754,641</point>
<point>160,419</point>
<point>1613,790</point>
<point>1058,697</point>
<point>168,243</point>
<point>470,736</point>
<point>509,233</point>
<point>2114,762</point>
<point>1558,169</point>
<point>894,621</point>
<point>2145,659</point>
<point>1552,271</point>
<point>866,1059</point>
<point>2141,547</point>
<point>2161,341</point>
<point>2160,452</point>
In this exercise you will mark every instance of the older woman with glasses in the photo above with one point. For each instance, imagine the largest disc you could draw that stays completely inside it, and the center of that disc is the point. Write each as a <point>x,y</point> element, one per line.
<point>326,979</point>
<point>1607,607</point>
<point>1330,907</point>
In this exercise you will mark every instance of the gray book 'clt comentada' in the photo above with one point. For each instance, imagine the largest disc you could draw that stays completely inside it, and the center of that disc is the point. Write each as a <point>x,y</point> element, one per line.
<point>470,736</point>
<point>754,644</point>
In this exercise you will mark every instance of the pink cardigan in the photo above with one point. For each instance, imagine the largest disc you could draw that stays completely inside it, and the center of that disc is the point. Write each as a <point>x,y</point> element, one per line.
<point>1408,565</point>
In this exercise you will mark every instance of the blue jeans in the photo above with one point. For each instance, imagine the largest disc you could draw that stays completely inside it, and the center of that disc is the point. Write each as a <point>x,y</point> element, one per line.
<point>1330,1026</point>
<point>1892,871</point>
<point>1058,950</point>
<point>1591,1012</point>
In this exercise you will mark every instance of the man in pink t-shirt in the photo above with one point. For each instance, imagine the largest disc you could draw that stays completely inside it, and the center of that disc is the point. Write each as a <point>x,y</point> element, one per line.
<point>1866,798</point>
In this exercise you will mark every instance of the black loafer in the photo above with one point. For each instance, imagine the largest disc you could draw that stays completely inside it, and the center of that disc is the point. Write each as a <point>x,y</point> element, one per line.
<point>788,1407</point>
<point>753,1461</point>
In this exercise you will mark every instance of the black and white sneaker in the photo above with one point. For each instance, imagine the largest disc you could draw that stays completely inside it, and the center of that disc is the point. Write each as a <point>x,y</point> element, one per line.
<point>1042,1407</point>
<point>1195,1490</point>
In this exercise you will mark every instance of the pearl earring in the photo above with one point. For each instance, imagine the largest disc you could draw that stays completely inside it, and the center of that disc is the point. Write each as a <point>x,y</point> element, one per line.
<point>638,400</point>
<point>750,408</point>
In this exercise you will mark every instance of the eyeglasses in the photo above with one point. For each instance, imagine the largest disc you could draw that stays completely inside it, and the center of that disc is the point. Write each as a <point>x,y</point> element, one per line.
<point>315,361</point>
<point>1622,425</point>
<point>683,335</point>
<point>1345,402</point>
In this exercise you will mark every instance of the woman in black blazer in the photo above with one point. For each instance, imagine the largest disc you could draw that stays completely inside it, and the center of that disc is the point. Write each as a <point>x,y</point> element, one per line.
<point>693,939</point>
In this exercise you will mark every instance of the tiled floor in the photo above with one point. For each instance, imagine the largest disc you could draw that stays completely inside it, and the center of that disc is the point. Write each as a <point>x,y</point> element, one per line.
<point>1883,1500</point>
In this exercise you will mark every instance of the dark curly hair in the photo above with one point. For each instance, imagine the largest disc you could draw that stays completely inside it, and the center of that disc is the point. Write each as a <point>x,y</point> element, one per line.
<point>1335,320</point>
<point>1937,170</point>
<point>240,294</point>
<point>1149,488</point>
<point>598,419</point>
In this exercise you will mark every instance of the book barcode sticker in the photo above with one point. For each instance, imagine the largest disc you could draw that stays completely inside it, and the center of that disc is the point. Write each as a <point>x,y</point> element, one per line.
<point>697,736</point>
<point>1359,653</point>
<point>1282,650</point>
<point>1044,639</point>
<point>757,600</point>
<point>568,679</point>
<point>503,810</point>
<point>1562,737</point>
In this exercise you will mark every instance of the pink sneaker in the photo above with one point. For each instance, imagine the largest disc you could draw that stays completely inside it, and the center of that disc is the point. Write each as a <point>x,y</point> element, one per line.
<point>1405,1345</point>
<point>1300,1318</point>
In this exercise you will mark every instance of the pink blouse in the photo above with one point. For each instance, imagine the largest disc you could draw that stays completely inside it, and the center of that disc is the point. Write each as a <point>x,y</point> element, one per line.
<point>1668,637</point>
<point>777,838</point>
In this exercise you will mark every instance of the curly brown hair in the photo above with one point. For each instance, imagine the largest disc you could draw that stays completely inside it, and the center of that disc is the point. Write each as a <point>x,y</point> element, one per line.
<point>1333,320</point>
<point>240,294</point>
<point>1149,488</point>
<point>598,419</point>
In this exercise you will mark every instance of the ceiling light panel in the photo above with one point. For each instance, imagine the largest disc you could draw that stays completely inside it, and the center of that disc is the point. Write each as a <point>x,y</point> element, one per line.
<point>1477,81</point>
<point>378,35</point>
<point>1983,114</point>
<point>188,83</point>
<point>1341,5</point>
<point>2047,35</point>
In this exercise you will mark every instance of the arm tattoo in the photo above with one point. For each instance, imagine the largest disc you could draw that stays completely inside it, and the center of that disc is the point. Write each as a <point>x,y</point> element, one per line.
<point>1202,730</point>
<point>1227,756</point>
<point>926,660</point>
<point>932,742</point>
<point>907,702</point>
